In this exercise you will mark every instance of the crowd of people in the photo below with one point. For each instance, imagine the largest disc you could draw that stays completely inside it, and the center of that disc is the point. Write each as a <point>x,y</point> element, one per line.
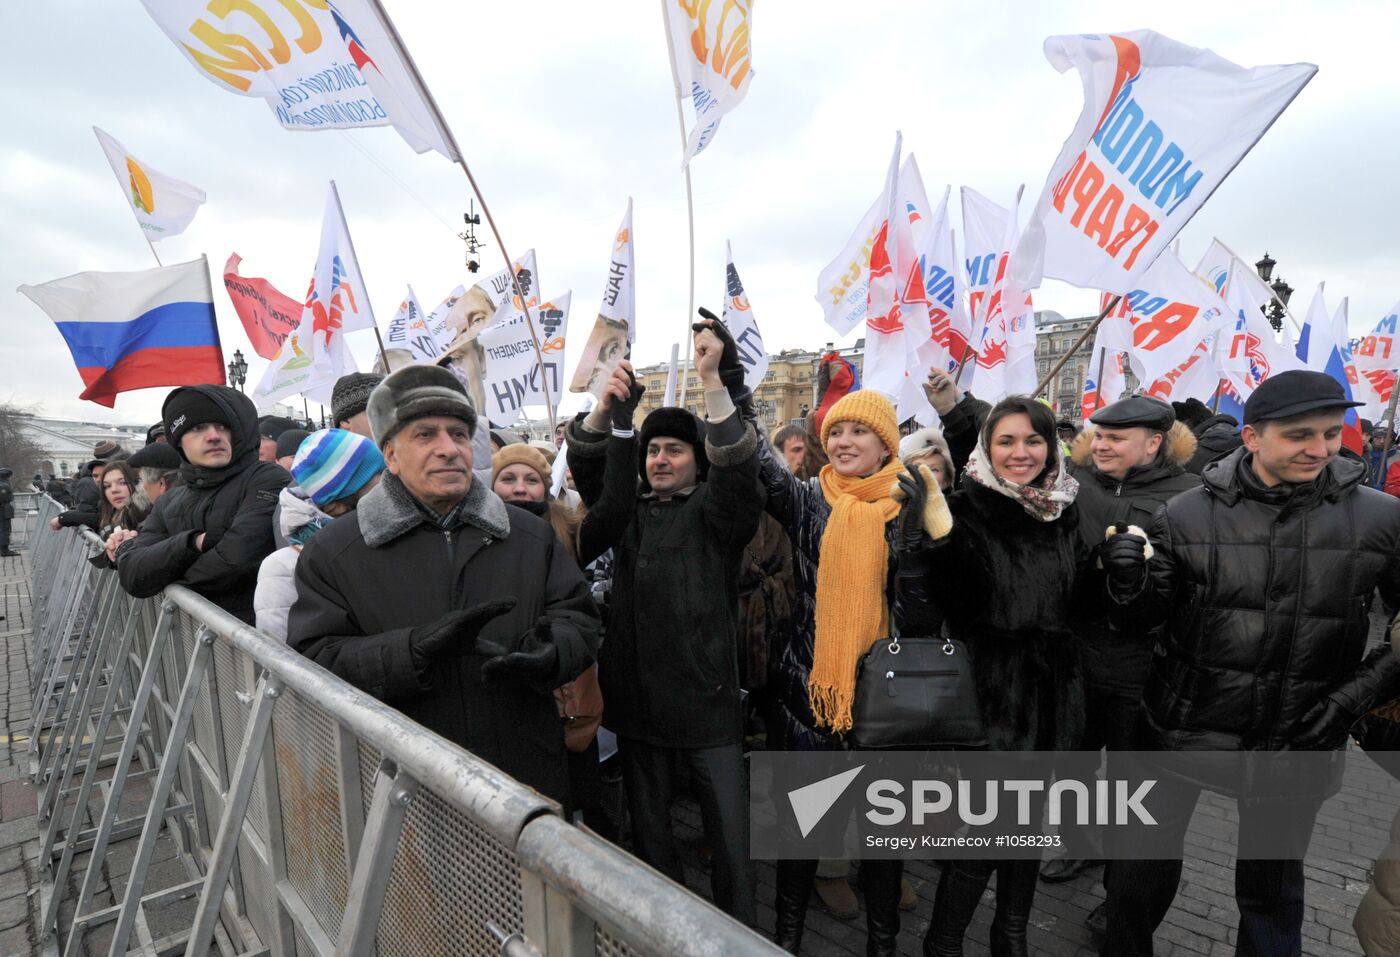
<point>1166,579</point>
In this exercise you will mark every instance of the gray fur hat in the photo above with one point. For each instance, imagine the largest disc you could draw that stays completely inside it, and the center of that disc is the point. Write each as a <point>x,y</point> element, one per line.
<point>412,393</point>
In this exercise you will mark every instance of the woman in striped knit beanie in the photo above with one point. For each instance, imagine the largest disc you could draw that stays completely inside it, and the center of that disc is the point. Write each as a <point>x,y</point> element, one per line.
<point>843,525</point>
<point>332,470</point>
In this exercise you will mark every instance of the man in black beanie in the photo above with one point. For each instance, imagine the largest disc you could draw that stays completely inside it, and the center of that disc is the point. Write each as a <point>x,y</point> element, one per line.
<point>213,532</point>
<point>350,398</point>
<point>670,664</point>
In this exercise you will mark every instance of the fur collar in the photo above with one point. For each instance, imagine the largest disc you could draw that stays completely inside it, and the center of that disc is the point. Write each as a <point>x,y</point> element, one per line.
<point>389,511</point>
<point>1177,448</point>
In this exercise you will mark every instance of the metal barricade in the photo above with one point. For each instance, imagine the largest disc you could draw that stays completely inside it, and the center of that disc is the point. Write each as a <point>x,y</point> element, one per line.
<point>22,526</point>
<point>306,818</point>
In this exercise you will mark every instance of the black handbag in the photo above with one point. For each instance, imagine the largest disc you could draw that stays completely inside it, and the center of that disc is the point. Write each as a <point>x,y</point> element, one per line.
<point>916,693</point>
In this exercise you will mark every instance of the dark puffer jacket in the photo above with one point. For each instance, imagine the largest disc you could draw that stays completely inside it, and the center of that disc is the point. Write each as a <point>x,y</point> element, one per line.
<point>1118,659</point>
<point>1265,594</point>
<point>1016,590</point>
<point>232,506</point>
<point>1216,438</point>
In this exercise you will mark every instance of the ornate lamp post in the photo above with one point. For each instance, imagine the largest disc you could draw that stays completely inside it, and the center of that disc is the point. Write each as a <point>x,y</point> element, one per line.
<point>238,370</point>
<point>1282,290</point>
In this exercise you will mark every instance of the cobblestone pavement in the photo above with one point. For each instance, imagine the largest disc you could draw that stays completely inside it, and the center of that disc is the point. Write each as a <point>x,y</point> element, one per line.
<point>1355,826</point>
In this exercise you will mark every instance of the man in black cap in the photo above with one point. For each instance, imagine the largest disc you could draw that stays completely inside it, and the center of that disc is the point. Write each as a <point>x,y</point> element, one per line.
<point>670,664</point>
<point>213,532</point>
<point>1128,462</point>
<point>159,467</point>
<point>1261,581</point>
<point>7,512</point>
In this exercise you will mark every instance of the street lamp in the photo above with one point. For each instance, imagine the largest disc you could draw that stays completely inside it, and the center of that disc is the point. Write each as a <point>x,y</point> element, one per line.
<point>238,369</point>
<point>1282,291</point>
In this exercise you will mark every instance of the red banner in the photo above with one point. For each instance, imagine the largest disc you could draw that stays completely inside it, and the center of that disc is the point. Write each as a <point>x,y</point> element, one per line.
<point>267,315</point>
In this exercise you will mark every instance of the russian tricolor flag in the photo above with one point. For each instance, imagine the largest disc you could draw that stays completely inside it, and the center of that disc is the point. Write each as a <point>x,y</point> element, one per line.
<point>136,330</point>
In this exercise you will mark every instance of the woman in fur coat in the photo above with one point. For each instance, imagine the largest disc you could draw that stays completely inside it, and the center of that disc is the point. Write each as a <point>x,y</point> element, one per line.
<point>1010,577</point>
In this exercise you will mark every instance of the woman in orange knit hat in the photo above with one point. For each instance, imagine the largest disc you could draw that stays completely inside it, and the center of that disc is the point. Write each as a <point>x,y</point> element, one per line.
<point>842,524</point>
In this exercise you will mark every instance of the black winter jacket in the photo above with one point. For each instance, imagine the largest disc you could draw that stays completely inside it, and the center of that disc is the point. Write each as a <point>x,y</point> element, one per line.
<point>87,503</point>
<point>367,579</point>
<point>232,506</point>
<point>1113,659</point>
<point>669,668</point>
<point>1265,594</point>
<point>1016,590</point>
<point>1216,438</point>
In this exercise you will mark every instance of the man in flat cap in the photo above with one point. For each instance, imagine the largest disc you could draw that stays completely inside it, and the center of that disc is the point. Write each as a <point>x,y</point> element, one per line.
<point>441,600</point>
<point>1261,581</point>
<point>1129,461</point>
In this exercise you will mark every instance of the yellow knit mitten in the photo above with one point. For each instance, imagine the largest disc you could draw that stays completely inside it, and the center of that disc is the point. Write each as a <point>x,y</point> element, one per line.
<point>938,520</point>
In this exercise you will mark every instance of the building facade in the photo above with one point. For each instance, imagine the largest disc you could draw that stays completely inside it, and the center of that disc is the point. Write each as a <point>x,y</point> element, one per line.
<point>1054,336</point>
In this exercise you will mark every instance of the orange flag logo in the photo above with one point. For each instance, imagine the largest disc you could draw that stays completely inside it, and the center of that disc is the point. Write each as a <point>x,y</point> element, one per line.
<point>142,196</point>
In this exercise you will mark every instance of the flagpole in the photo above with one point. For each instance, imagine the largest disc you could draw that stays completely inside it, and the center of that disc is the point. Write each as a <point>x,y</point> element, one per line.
<point>1389,423</point>
<point>1098,383</point>
<point>689,200</point>
<point>457,157</point>
<point>1069,353</point>
<point>151,246</point>
<point>1215,399</point>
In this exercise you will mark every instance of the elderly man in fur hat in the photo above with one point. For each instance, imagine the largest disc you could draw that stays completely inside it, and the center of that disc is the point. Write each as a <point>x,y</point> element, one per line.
<point>1130,460</point>
<point>441,600</point>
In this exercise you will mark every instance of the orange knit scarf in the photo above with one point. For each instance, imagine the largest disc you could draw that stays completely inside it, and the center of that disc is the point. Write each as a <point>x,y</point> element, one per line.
<point>851,612</point>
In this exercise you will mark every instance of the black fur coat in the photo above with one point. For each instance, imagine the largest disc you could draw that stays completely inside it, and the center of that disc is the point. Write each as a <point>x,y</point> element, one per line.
<point>1014,590</point>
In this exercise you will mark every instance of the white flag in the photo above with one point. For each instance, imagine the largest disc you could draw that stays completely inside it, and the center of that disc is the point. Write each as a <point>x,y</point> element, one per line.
<point>1215,268</point>
<point>1163,124</point>
<point>739,318</point>
<point>1197,377</point>
<point>944,283</point>
<point>710,53</point>
<point>437,319</point>
<point>409,330</point>
<point>610,340</point>
<point>319,66</point>
<point>1249,352</point>
<point>314,356</point>
<point>499,287</point>
<point>163,205</point>
<point>1169,312</point>
<point>1314,347</point>
<point>843,286</point>
<point>513,376</point>
<point>1006,352</point>
<point>1379,349</point>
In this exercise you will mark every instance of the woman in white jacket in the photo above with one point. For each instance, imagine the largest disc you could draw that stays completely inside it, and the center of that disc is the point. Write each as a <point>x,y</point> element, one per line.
<point>333,469</point>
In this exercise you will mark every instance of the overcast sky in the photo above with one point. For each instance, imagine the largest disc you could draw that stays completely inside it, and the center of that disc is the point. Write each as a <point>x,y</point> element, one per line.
<point>566,109</point>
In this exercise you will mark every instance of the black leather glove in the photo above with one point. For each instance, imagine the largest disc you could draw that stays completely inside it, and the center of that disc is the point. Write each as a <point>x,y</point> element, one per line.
<point>1124,558</point>
<point>535,662</point>
<point>454,634</point>
<point>1325,726</point>
<point>624,411</point>
<point>910,536</point>
<point>731,370</point>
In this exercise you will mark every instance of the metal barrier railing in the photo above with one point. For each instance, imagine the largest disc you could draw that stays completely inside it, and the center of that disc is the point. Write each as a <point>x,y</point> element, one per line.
<point>310,819</point>
<point>22,526</point>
